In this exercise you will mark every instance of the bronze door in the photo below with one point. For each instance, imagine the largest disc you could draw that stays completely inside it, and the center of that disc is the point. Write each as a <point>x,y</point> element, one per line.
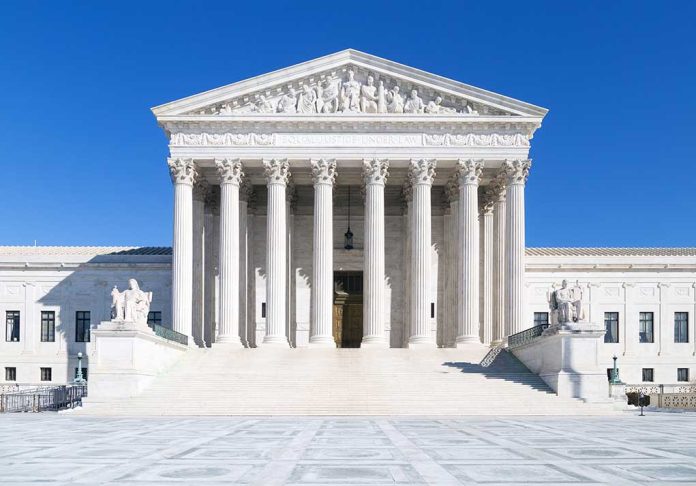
<point>348,309</point>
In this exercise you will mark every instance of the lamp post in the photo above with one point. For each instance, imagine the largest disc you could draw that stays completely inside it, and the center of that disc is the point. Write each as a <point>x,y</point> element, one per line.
<point>615,373</point>
<point>79,379</point>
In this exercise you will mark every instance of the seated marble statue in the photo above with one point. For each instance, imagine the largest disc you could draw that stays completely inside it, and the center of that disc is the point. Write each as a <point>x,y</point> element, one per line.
<point>132,305</point>
<point>567,303</point>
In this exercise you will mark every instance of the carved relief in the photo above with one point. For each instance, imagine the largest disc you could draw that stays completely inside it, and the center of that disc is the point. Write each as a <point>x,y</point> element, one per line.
<point>323,171</point>
<point>182,171</point>
<point>230,171</point>
<point>517,171</point>
<point>422,171</point>
<point>469,171</point>
<point>375,171</point>
<point>277,171</point>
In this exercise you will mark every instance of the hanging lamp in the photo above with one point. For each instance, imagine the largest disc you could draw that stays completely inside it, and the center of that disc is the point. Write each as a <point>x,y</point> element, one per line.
<point>348,234</point>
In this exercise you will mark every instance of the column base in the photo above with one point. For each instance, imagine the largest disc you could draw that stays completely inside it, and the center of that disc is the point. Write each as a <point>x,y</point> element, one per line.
<point>421,342</point>
<point>230,341</point>
<point>496,342</point>
<point>322,342</point>
<point>466,340</point>
<point>374,342</point>
<point>276,341</point>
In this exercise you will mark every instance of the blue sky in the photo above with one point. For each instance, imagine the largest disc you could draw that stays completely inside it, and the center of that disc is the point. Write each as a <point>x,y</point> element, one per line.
<point>83,161</point>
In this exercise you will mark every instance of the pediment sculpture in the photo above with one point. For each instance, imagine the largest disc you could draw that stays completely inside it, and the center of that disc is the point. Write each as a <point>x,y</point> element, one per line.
<point>131,305</point>
<point>344,94</point>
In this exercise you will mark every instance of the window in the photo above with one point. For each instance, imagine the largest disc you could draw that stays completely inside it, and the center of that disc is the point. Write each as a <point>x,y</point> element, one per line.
<point>154,317</point>
<point>682,374</point>
<point>46,374</point>
<point>681,327</point>
<point>263,310</point>
<point>11,374</point>
<point>541,318</point>
<point>646,328</point>
<point>648,374</point>
<point>611,324</point>
<point>84,373</point>
<point>432,310</point>
<point>48,326</point>
<point>82,324</point>
<point>12,319</point>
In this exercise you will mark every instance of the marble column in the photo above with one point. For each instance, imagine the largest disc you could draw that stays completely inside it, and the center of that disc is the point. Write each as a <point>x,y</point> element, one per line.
<point>200,191</point>
<point>421,174</point>
<point>486,288</point>
<point>245,194</point>
<point>230,173</point>
<point>321,323</point>
<point>212,211</point>
<point>516,172</point>
<point>499,325</point>
<point>277,177</point>
<point>407,210</point>
<point>375,177</point>
<point>468,264</point>
<point>452,189</point>
<point>183,173</point>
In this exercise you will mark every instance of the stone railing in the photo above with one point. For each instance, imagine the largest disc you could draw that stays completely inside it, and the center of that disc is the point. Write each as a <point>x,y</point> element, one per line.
<point>681,395</point>
<point>526,336</point>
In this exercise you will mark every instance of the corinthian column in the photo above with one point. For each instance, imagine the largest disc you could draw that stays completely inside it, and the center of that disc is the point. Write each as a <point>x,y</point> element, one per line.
<point>499,333</point>
<point>468,271</point>
<point>277,177</point>
<point>516,172</point>
<point>375,177</point>
<point>421,173</point>
<point>200,192</point>
<point>183,173</point>
<point>452,189</point>
<point>486,221</point>
<point>230,172</point>
<point>323,176</point>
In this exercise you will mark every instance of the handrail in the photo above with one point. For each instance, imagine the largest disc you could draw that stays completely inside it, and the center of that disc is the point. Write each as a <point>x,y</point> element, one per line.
<point>169,334</point>
<point>43,398</point>
<point>523,337</point>
<point>491,355</point>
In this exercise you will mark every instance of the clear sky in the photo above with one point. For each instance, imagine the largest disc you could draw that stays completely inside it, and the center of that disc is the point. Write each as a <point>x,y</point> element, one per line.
<point>83,161</point>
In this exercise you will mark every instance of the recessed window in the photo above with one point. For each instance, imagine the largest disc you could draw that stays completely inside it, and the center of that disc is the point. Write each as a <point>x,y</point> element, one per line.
<point>84,373</point>
<point>646,328</point>
<point>82,324</point>
<point>12,320</point>
<point>648,374</point>
<point>682,374</point>
<point>48,326</point>
<point>10,374</point>
<point>154,318</point>
<point>681,327</point>
<point>46,374</point>
<point>541,318</point>
<point>432,310</point>
<point>611,325</point>
<point>263,310</point>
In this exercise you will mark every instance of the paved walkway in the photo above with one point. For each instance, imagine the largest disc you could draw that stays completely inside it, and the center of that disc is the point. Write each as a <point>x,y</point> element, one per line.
<point>625,450</point>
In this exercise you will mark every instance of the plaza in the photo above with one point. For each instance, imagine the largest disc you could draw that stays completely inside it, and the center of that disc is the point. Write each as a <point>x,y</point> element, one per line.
<point>52,449</point>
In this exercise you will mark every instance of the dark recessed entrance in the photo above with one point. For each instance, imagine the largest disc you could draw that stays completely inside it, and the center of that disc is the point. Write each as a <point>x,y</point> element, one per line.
<point>348,309</point>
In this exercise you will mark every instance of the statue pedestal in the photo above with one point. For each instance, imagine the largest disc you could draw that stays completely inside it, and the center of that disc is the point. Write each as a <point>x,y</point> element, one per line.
<point>127,357</point>
<point>566,357</point>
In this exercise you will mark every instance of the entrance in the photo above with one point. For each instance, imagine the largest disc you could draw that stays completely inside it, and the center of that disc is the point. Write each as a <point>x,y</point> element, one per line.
<point>348,309</point>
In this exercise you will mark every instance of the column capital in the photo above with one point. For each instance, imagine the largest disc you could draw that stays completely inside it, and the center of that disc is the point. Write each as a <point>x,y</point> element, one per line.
<point>201,189</point>
<point>421,171</point>
<point>375,171</point>
<point>230,171</point>
<point>277,171</point>
<point>516,171</point>
<point>182,171</point>
<point>469,171</point>
<point>323,171</point>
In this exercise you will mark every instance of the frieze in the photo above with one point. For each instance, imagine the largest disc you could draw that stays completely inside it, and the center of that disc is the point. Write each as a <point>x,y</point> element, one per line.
<point>349,140</point>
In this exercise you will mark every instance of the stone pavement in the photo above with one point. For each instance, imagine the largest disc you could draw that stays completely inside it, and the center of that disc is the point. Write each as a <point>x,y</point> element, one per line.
<point>620,450</point>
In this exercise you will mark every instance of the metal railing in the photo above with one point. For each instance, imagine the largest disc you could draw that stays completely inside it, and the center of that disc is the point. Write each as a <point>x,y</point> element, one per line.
<point>526,336</point>
<point>492,354</point>
<point>171,335</point>
<point>40,399</point>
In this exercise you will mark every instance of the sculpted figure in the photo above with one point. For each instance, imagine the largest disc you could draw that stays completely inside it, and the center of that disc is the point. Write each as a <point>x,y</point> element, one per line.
<point>395,102</point>
<point>288,102</point>
<point>567,302</point>
<point>435,107</point>
<point>132,305</point>
<point>307,102</point>
<point>225,109</point>
<point>350,94</point>
<point>327,100</point>
<point>368,96</point>
<point>263,105</point>
<point>468,109</point>
<point>381,98</point>
<point>414,104</point>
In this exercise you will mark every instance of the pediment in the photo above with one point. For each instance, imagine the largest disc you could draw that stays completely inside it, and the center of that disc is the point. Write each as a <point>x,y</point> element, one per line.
<point>349,83</point>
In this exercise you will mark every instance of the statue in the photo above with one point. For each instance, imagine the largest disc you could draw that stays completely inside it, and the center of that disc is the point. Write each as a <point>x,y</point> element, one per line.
<point>327,98</point>
<point>435,107</point>
<point>225,109</point>
<point>132,305</point>
<point>567,302</point>
<point>288,102</point>
<point>381,98</point>
<point>368,96</point>
<point>350,94</point>
<point>263,105</point>
<point>307,102</point>
<point>395,102</point>
<point>414,103</point>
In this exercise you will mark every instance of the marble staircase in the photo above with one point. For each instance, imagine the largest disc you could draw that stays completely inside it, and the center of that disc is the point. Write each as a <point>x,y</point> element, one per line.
<point>334,382</point>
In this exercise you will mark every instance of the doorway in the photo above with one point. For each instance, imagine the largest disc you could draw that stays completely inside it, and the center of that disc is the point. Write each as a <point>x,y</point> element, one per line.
<point>348,309</point>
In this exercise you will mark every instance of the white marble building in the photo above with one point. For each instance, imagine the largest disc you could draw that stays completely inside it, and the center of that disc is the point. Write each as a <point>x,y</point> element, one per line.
<point>428,175</point>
